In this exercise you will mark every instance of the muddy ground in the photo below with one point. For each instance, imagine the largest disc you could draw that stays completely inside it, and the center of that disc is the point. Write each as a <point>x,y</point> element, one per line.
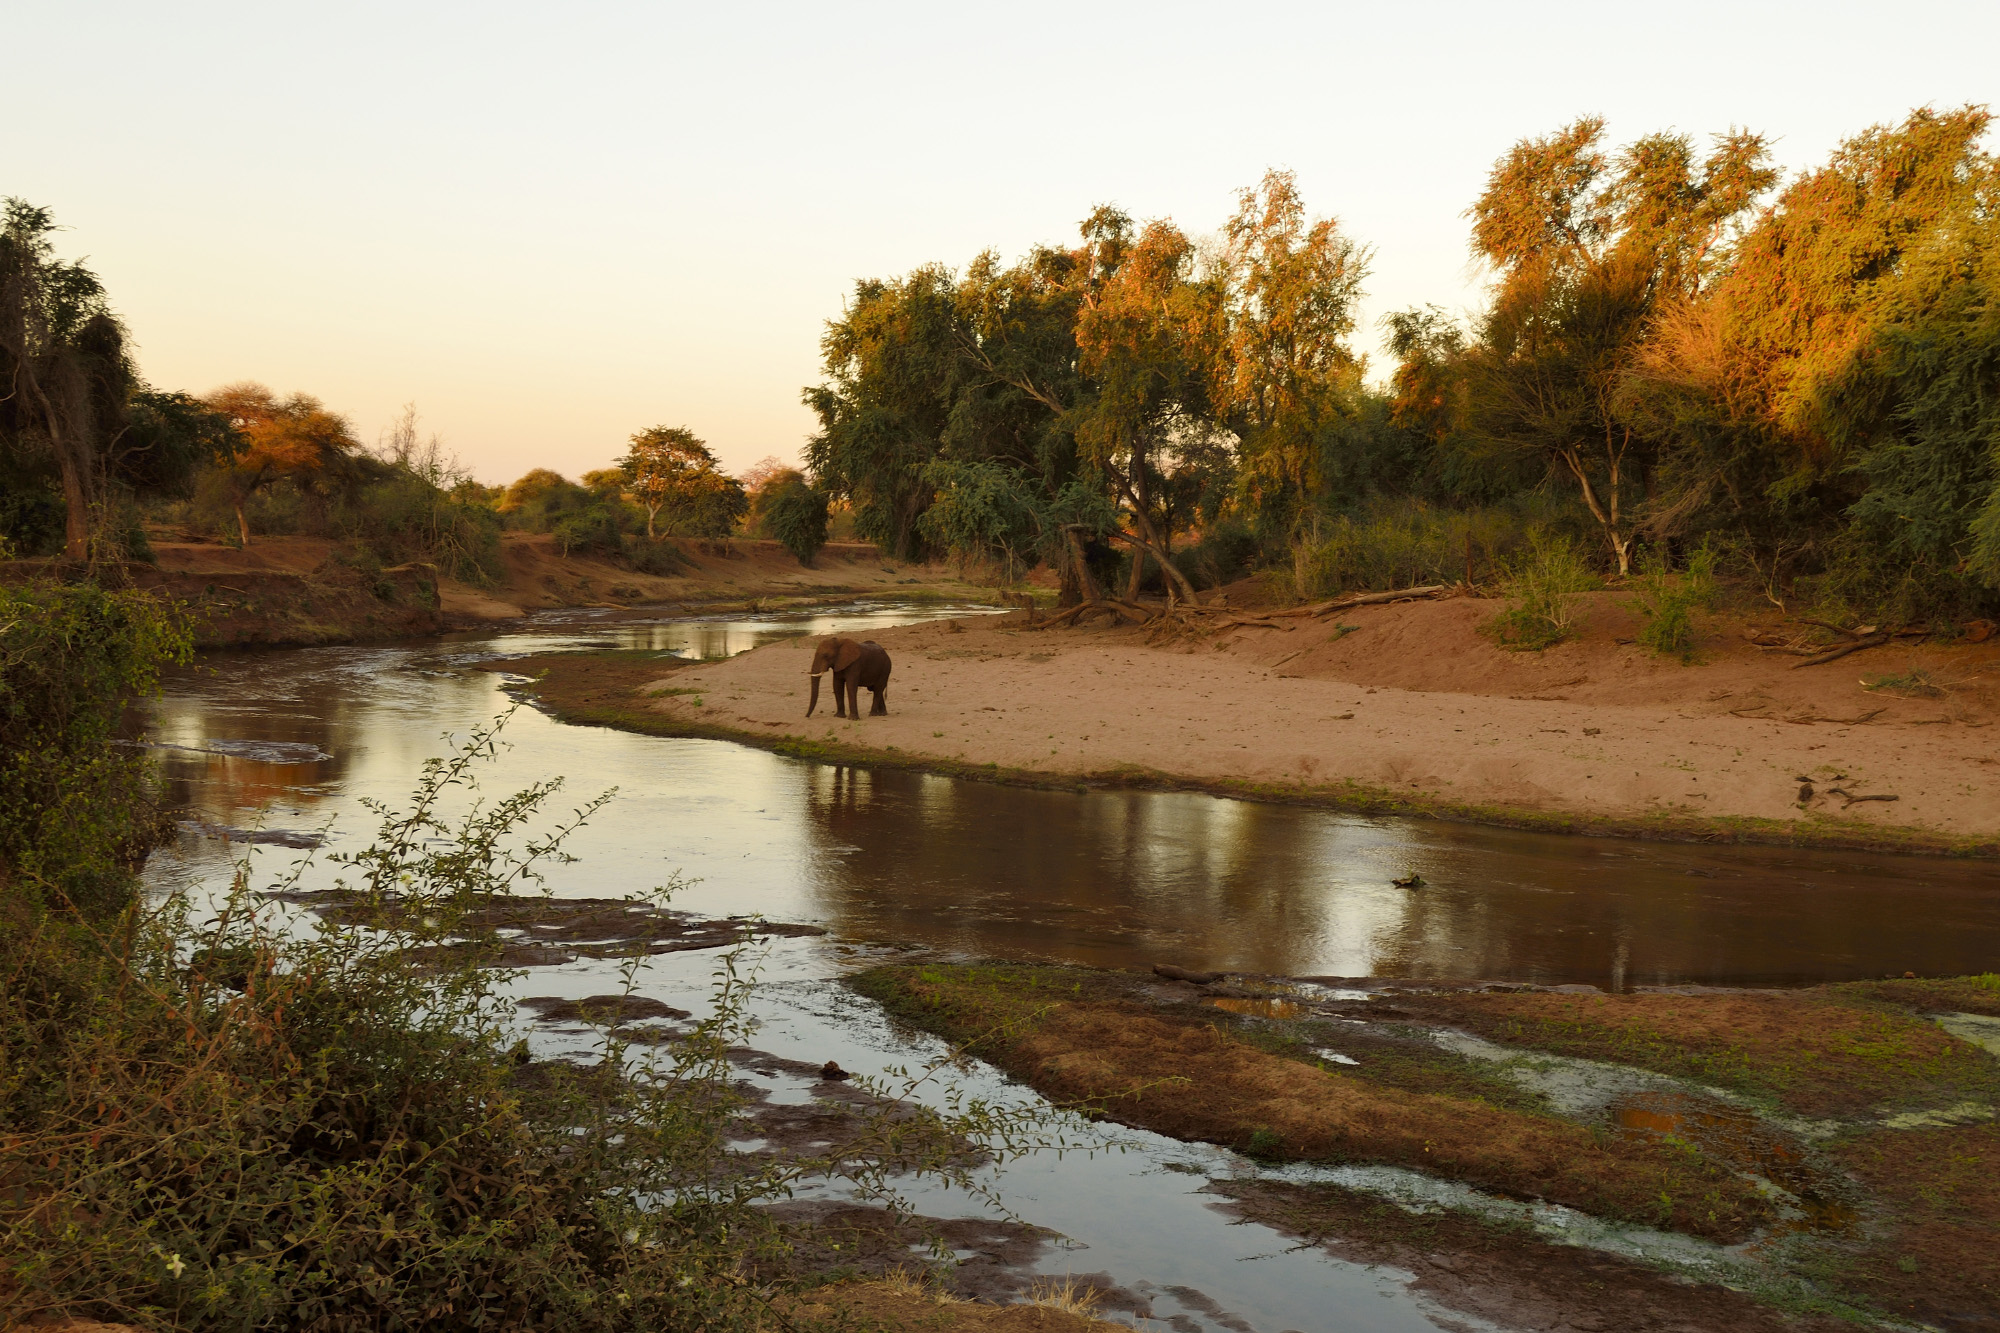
<point>1835,1147</point>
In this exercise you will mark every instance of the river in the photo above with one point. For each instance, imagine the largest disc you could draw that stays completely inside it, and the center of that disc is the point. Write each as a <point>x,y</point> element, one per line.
<point>290,743</point>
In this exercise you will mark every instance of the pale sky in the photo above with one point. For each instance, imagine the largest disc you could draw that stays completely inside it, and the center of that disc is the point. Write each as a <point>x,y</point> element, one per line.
<point>550,226</point>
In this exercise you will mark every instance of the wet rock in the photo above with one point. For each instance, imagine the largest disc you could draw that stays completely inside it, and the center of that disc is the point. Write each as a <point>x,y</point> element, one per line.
<point>537,932</point>
<point>599,1009</point>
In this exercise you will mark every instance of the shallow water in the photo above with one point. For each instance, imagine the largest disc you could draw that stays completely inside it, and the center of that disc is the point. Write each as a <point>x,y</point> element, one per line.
<point>291,742</point>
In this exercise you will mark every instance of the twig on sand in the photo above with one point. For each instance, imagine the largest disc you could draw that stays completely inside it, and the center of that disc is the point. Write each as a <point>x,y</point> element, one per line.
<point>1851,798</point>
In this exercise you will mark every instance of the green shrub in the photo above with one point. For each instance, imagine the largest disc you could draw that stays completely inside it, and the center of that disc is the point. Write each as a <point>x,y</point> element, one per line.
<point>406,516</point>
<point>593,530</point>
<point>1915,683</point>
<point>1406,543</point>
<point>77,813</point>
<point>654,557</point>
<point>1544,589</point>
<point>1667,603</point>
<point>1868,581</point>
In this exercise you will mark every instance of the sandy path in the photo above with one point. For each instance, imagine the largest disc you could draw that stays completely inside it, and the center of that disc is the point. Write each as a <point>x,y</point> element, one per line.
<point>1594,728</point>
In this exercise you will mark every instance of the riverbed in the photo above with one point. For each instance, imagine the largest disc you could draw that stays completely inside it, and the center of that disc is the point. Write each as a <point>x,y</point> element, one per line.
<point>283,747</point>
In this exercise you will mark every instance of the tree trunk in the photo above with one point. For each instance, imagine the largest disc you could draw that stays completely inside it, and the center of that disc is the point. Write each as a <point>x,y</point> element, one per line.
<point>1138,573</point>
<point>1149,541</point>
<point>75,483</point>
<point>242,524</point>
<point>1085,585</point>
<point>1620,543</point>
<point>76,524</point>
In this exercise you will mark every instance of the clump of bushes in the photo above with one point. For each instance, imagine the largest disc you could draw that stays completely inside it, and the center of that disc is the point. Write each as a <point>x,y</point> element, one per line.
<point>1545,593</point>
<point>1667,603</point>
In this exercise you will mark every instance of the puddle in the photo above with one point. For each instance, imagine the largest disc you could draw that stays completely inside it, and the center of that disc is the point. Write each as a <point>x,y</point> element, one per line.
<point>1982,1030</point>
<point>1259,1007</point>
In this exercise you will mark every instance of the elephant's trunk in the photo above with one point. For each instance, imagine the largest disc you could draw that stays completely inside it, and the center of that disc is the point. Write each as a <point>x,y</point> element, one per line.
<point>813,702</point>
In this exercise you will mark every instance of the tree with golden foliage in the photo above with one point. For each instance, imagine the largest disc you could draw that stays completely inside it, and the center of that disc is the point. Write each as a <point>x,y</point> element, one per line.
<point>295,438</point>
<point>670,468</point>
<point>1589,248</point>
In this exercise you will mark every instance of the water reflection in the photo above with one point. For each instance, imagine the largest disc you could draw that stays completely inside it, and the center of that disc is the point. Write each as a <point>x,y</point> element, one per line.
<point>1109,878</point>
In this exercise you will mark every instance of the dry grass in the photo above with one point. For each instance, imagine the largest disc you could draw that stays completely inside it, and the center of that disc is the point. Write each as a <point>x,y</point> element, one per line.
<point>1067,1295</point>
<point>1193,1079</point>
<point>902,1282</point>
<point>1828,1051</point>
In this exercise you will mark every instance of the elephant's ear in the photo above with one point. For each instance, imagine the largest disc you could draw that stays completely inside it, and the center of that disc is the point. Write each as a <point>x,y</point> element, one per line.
<point>848,654</point>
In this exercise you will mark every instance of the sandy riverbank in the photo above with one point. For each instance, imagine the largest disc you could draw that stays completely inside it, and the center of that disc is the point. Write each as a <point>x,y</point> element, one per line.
<point>1412,708</point>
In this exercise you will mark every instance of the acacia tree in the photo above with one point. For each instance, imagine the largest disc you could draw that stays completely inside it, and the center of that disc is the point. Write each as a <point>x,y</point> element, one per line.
<point>1589,249</point>
<point>295,438</point>
<point>670,468</point>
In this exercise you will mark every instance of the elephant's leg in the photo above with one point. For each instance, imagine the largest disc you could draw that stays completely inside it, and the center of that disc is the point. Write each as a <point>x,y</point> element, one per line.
<point>851,689</point>
<point>880,708</point>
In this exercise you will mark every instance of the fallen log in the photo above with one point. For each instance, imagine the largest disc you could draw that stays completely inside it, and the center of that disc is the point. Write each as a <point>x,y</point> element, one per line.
<point>1873,641</point>
<point>1376,598</point>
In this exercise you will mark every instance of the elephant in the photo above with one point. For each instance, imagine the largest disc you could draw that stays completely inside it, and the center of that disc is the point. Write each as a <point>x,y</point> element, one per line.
<point>856,665</point>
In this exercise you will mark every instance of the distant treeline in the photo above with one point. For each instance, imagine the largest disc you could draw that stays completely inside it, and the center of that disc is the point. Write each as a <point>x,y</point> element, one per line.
<point>90,454</point>
<point>1677,351</point>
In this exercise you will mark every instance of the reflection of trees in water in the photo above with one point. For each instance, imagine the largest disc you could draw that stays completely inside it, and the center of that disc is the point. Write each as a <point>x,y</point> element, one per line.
<point>1127,879</point>
<point>1111,877</point>
<point>1622,913</point>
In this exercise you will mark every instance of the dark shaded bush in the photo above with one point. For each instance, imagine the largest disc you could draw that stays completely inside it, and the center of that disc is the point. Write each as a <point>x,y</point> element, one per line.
<point>31,518</point>
<point>76,814</point>
<point>797,515</point>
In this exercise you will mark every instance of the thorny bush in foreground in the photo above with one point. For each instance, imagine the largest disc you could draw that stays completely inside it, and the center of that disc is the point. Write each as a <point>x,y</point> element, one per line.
<point>220,1118</point>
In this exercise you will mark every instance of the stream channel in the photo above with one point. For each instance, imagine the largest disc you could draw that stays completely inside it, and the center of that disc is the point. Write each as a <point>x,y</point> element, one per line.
<point>288,743</point>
